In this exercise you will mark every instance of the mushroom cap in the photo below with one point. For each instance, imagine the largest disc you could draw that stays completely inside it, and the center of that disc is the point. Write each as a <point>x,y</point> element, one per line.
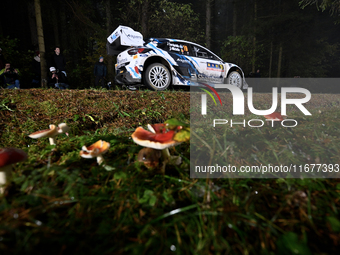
<point>11,155</point>
<point>63,128</point>
<point>53,131</point>
<point>156,141</point>
<point>275,116</point>
<point>157,128</point>
<point>98,148</point>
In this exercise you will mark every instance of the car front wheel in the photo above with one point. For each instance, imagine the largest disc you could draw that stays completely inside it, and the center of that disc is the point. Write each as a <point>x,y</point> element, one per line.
<point>235,78</point>
<point>157,77</point>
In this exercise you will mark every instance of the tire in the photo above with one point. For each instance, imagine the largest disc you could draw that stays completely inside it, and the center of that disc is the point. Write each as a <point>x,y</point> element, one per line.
<point>157,77</point>
<point>235,78</point>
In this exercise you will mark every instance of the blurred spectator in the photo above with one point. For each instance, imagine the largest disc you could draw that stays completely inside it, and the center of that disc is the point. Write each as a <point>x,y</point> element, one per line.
<point>258,74</point>
<point>36,69</point>
<point>57,79</point>
<point>58,61</point>
<point>10,77</point>
<point>2,60</point>
<point>100,71</point>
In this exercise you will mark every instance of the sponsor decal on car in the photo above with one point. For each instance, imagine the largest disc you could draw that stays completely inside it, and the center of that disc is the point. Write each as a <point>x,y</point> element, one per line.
<point>211,78</point>
<point>135,36</point>
<point>122,61</point>
<point>214,67</point>
<point>182,60</point>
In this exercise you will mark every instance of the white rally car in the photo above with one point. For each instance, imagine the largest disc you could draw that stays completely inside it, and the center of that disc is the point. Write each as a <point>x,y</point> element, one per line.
<point>161,62</point>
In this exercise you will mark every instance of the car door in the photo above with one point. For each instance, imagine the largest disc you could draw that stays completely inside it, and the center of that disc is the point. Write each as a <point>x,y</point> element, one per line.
<point>210,68</point>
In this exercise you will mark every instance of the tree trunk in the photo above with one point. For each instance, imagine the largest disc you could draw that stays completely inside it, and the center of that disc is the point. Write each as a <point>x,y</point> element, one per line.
<point>109,30</point>
<point>1,31</point>
<point>145,17</point>
<point>55,27</point>
<point>41,43</point>
<point>208,24</point>
<point>32,24</point>
<point>279,62</point>
<point>254,38</point>
<point>234,18</point>
<point>270,59</point>
<point>63,25</point>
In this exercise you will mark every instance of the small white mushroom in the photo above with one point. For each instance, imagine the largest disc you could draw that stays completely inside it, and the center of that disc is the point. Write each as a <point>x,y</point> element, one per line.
<point>95,150</point>
<point>9,156</point>
<point>51,133</point>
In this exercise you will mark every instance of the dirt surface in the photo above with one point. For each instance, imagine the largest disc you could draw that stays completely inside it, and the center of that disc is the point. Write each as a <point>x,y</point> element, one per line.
<point>91,109</point>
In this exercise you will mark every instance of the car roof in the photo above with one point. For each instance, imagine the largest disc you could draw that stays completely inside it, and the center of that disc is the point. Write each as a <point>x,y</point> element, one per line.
<point>180,41</point>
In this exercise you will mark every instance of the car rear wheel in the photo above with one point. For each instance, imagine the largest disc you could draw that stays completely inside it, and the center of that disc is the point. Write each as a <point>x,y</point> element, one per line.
<point>157,77</point>
<point>235,78</point>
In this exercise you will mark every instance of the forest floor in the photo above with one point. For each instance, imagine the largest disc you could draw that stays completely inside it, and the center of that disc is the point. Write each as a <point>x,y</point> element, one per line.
<point>60,202</point>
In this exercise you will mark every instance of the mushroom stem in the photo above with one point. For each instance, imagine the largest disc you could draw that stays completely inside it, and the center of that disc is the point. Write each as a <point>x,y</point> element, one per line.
<point>100,159</point>
<point>166,154</point>
<point>52,141</point>
<point>5,173</point>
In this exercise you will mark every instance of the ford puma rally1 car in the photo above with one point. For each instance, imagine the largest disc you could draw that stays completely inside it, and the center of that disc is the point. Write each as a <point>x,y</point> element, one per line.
<point>161,62</point>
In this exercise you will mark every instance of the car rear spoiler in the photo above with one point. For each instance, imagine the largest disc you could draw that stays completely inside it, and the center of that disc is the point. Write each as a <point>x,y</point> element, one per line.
<point>121,39</point>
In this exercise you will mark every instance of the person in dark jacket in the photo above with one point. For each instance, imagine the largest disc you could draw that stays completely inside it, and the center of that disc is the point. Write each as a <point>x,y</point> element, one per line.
<point>10,76</point>
<point>100,71</point>
<point>58,61</point>
<point>57,79</point>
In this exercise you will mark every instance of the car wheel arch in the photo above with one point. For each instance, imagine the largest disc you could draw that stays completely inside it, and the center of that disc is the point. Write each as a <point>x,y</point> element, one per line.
<point>157,59</point>
<point>237,69</point>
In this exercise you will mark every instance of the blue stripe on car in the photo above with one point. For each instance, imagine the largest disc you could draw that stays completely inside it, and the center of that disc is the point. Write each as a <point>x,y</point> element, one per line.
<point>134,73</point>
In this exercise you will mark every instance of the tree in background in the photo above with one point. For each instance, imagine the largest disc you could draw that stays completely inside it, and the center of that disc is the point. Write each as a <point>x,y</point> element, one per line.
<point>278,37</point>
<point>41,42</point>
<point>332,5</point>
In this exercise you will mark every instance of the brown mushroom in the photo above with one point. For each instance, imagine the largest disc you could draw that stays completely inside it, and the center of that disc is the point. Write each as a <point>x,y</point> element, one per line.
<point>95,150</point>
<point>150,157</point>
<point>51,133</point>
<point>9,156</point>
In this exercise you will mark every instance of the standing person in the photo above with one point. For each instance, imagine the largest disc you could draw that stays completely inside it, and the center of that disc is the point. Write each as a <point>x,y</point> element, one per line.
<point>58,60</point>
<point>36,69</point>
<point>10,77</point>
<point>2,60</point>
<point>100,71</point>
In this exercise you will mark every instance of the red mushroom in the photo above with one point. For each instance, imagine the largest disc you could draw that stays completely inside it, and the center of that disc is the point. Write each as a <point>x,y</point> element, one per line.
<point>156,141</point>
<point>275,116</point>
<point>51,132</point>
<point>157,128</point>
<point>161,137</point>
<point>9,156</point>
